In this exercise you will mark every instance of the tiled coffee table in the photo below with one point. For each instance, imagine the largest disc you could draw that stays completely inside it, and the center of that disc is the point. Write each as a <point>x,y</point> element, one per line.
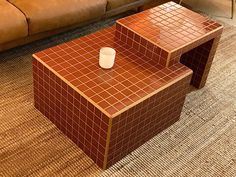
<point>109,113</point>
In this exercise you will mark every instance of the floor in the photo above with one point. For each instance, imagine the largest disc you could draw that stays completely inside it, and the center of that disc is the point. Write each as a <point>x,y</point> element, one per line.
<point>217,9</point>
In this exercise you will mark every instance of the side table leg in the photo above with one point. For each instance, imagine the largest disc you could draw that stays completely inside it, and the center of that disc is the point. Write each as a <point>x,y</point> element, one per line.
<point>199,60</point>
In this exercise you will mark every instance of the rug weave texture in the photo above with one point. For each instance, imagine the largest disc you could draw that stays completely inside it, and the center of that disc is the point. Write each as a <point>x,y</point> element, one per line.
<point>202,143</point>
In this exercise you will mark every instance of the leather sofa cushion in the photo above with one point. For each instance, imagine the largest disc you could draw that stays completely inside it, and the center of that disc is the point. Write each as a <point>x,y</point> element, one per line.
<point>13,24</point>
<point>45,15</point>
<point>112,4</point>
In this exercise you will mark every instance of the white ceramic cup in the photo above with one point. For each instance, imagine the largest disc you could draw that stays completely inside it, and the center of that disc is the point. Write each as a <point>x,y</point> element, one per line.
<point>107,57</point>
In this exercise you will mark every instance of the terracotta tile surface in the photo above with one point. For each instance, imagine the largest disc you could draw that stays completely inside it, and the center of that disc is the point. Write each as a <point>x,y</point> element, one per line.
<point>199,59</point>
<point>78,119</point>
<point>170,26</point>
<point>134,127</point>
<point>133,77</point>
<point>167,32</point>
<point>109,113</point>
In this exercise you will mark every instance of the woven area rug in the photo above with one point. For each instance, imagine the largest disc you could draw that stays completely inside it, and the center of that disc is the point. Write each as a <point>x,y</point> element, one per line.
<point>202,143</point>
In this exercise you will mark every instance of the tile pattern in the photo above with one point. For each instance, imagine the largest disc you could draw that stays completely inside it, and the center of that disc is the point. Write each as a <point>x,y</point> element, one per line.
<point>142,45</point>
<point>88,127</point>
<point>109,113</point>
<point>170,26</point>
<point>175,56</point>
<point>140,123</point>
<point>172,29</point>
<point>78,119</point>
<point>199,60</point>
<point>49,153</point>
<point>133,77</point>
<point>59,98</point>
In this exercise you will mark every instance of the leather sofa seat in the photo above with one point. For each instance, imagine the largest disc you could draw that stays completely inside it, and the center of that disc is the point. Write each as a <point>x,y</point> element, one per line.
<point>112,4</point>
<point>46,15</point>
<point>13,24</point>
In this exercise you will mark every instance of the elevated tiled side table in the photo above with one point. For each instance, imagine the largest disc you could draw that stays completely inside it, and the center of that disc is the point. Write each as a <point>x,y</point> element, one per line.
<point>170,33</point>
<point>109,113</point>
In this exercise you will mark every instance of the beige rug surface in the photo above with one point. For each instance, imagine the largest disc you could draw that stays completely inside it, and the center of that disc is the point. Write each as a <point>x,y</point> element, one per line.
<point>202,143</point>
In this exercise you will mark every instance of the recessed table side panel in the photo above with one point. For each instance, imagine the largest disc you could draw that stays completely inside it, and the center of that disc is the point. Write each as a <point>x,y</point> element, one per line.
<point>78,119</point>
<point>145,120</point>
<point>200,59</point>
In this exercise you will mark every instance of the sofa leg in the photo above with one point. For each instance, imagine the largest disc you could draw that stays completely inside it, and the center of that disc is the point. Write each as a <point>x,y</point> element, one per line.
<point>139,9</point>
<point>232,9</point>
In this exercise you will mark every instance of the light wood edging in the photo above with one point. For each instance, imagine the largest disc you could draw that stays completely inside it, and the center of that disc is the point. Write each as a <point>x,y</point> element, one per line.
<point>168,60</point>
<point>72,86</point>
<point>107,144</point>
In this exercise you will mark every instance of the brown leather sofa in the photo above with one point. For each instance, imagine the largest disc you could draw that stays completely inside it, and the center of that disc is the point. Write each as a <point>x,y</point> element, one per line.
<point>23,21</point>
